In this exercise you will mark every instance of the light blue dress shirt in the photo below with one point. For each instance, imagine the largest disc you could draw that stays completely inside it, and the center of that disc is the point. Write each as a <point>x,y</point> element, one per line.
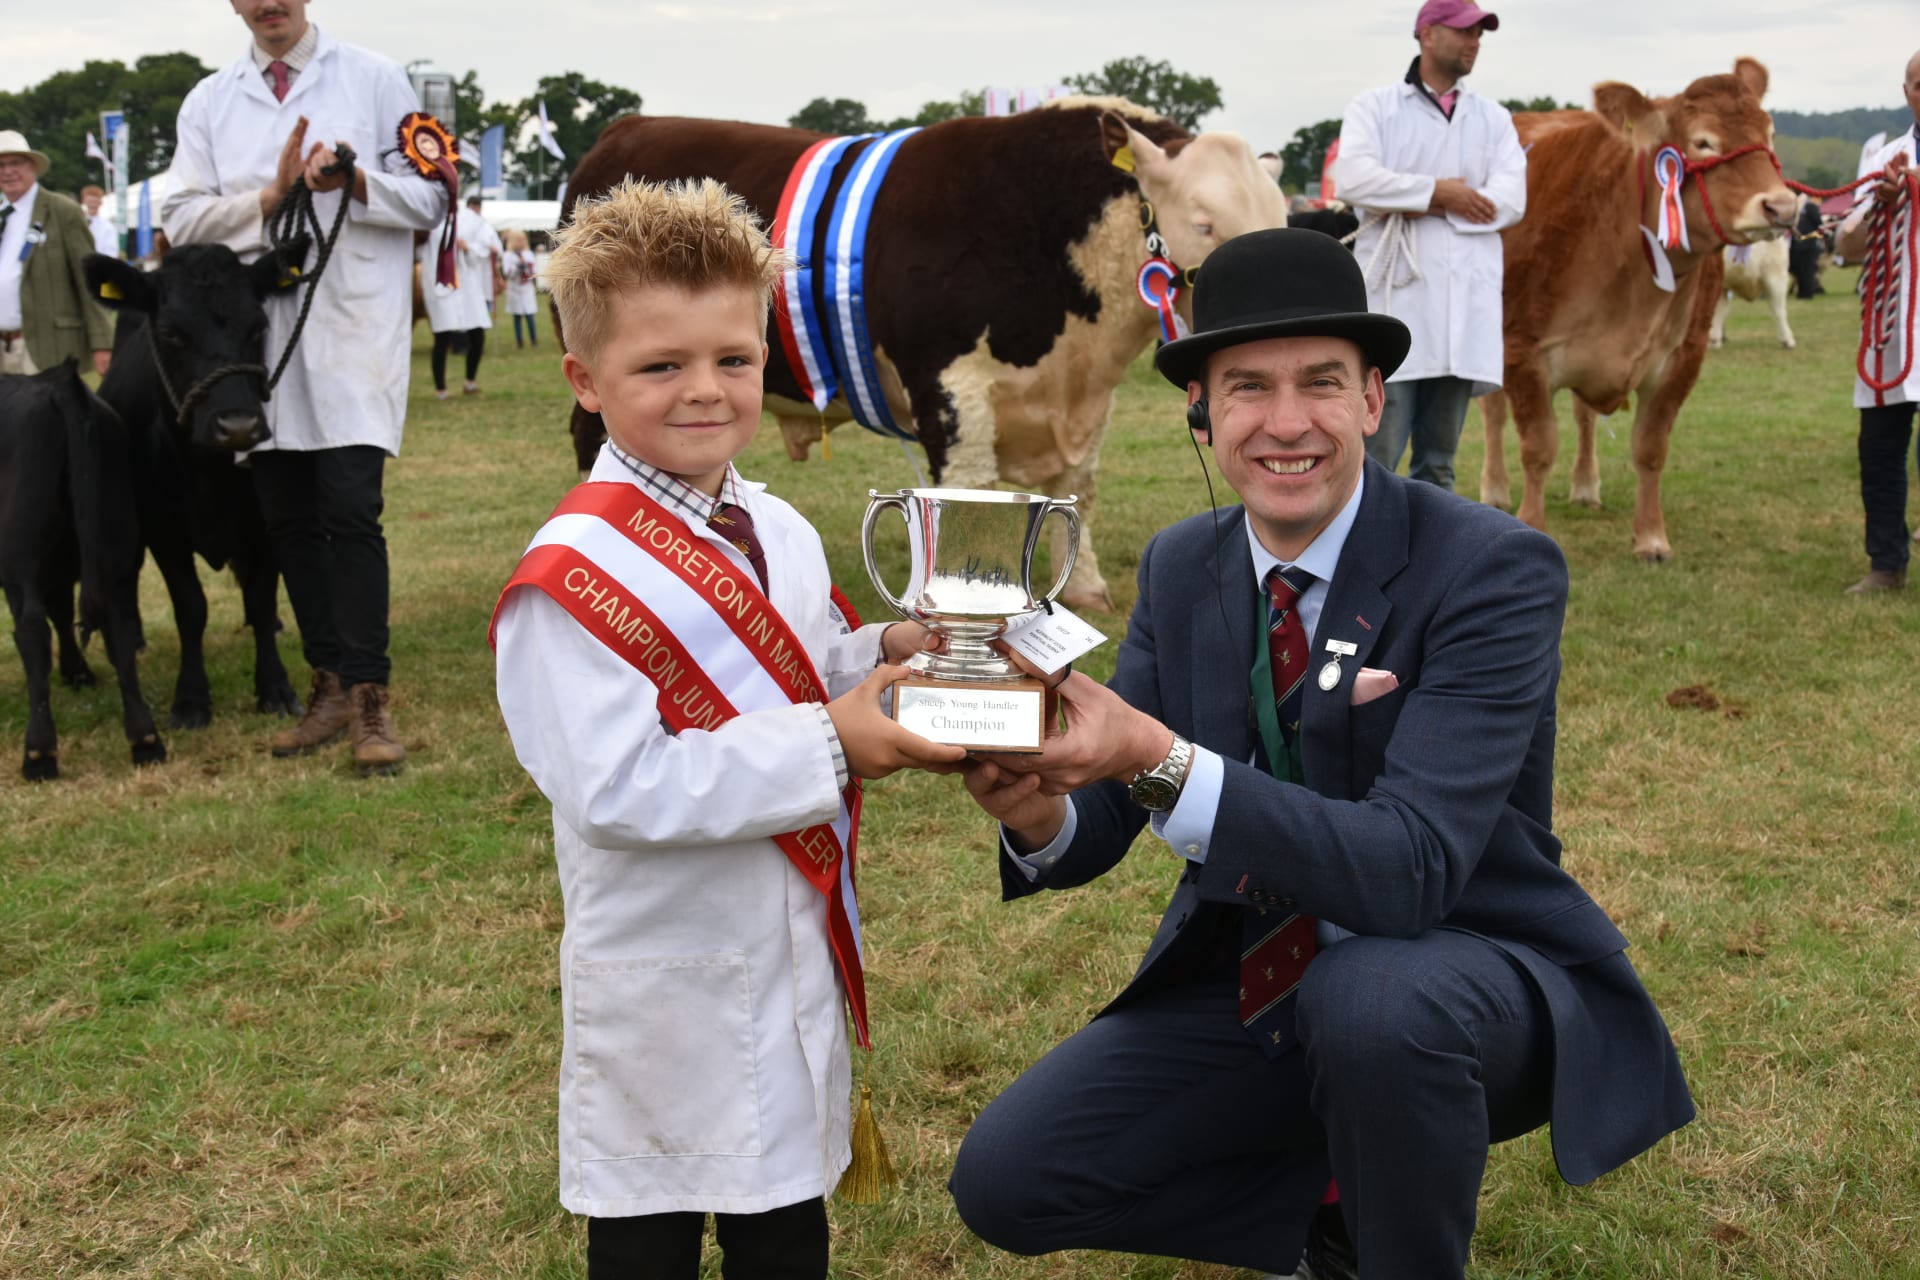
<point>1188,826</point>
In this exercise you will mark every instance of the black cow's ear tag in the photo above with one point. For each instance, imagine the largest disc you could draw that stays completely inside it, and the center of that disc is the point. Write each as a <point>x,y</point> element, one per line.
<point>111,291</point>
<point>1123,160</point>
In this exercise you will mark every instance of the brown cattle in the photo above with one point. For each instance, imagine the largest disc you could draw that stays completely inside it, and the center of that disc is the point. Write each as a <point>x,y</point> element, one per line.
<point>1000,275</point>
<point>1582,308</point>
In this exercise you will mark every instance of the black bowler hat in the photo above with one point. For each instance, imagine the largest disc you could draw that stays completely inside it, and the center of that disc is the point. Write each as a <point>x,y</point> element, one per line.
<point>1284,283</point>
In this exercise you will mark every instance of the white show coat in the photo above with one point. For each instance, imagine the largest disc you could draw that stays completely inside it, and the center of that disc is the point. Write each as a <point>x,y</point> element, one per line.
<point>519,266</point>
<point>347,381</point>
<point>704,1062</point>
<point>1864,397</point>
<point>1394,145</point>
<point>464,308</point>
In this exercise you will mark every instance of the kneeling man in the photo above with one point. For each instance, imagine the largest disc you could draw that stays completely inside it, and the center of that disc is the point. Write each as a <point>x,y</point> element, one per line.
<point>1336,704</point>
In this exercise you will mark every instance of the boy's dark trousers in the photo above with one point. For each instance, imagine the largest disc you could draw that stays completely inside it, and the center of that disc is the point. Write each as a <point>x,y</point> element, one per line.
<point>789,1243</point>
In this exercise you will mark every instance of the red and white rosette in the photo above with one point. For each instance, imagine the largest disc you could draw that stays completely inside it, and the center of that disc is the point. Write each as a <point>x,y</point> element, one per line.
<point>1670,173</point>
<point>1157,290</point>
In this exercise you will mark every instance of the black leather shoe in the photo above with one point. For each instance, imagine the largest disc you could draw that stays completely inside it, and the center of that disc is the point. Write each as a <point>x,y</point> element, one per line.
<point>1329,1254</point>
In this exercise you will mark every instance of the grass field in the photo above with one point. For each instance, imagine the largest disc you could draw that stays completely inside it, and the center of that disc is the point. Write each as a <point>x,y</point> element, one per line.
<point>261,1017</point>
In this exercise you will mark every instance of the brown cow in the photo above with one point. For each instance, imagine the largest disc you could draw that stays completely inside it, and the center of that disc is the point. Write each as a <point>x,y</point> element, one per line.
<point>1582,309</point>
<point>1001,271</point>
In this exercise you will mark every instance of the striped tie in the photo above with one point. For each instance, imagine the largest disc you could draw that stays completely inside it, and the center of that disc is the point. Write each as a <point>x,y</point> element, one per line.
<point>1276,948</point>
<point>731,521</point>
<point>1287,643</point>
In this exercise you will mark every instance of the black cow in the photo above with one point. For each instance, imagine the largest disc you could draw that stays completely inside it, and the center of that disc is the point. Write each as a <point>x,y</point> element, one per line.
<point>1338,223</point>
<point>188,378</point>
<point>67,513</point>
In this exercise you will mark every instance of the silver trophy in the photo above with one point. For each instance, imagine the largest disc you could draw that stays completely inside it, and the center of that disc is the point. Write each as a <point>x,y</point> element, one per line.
<point>971,553</point>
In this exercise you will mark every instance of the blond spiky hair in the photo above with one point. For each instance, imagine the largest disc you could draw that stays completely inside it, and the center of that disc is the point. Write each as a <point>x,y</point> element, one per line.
<point>690,235</point>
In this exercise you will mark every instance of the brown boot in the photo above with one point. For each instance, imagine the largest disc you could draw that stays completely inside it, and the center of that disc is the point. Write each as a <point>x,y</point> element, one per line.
<point>376,747</point>
<point>325,720</point>
<point>1879,580</point>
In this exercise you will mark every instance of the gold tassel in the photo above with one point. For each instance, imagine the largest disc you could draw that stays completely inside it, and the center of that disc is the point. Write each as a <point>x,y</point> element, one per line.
<point>826,440</point>
<point>870,1174</point>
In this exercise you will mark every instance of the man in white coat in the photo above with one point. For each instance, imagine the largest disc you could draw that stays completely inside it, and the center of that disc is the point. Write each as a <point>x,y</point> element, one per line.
<point>337,412</point>
<point>1886,412</point>
<point>1436,172</point>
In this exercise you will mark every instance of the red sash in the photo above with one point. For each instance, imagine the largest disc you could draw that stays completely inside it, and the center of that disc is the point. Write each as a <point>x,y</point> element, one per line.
<point>689,698</point>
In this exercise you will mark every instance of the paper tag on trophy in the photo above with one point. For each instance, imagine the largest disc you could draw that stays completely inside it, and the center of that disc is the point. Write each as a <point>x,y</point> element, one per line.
<point>1051,640</point>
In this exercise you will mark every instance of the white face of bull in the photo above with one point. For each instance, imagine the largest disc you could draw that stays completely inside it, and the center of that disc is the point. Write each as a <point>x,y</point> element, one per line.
<point>1209,192</point>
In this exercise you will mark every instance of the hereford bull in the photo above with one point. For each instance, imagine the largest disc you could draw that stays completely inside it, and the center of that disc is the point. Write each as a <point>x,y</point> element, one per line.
<point>1583,310</point>
<point>1755,271</point>
<point>188,379</point>
<point>1001,269</point>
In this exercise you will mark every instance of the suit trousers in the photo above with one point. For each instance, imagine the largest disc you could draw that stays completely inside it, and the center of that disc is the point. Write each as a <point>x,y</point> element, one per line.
<point>1885,433</point>
<point>1161,1128</point>
<point>1430,413</point>
<point>788,1243</point>
<point>322,509</point>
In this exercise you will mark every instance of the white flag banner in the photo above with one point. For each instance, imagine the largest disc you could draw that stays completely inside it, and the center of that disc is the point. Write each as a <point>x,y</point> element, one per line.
<point>547,139</point>
<point>93,149</point>
<point>469,152</point>
<point>1008,102</point>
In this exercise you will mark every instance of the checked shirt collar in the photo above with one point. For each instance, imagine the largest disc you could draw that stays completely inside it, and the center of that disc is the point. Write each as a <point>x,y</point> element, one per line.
<point>679,497</point>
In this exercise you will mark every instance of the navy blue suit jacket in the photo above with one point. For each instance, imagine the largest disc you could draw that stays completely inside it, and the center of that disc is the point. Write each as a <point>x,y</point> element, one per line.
<point>1428,808</point>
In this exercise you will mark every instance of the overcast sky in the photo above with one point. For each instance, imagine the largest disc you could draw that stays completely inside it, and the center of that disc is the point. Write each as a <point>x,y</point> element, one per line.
<point>1280,64</point>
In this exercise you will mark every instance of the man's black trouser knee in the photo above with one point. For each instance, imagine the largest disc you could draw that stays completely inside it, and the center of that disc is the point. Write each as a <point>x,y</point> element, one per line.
<point>322,509</point>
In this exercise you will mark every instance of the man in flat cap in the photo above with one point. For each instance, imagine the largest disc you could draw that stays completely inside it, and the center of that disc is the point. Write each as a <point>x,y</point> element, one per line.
<point>47,314</point>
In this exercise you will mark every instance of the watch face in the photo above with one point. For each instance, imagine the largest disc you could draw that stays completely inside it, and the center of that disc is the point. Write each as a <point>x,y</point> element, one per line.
<point>1155,794</point>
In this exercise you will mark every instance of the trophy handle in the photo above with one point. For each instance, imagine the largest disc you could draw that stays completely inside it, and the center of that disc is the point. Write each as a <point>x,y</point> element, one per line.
<point>1066,508</point>
<point>878,502</point>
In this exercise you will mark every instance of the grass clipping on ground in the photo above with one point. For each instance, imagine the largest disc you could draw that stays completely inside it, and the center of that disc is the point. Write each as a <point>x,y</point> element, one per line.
<point>267,1018</point>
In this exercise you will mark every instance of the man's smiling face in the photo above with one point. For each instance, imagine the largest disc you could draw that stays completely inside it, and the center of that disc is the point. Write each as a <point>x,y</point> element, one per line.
<point>1290,421</point>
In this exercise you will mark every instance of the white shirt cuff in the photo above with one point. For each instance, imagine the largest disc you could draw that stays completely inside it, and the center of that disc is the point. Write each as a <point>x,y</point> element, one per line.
<point>1188,826</point>
<point>1032,865</point>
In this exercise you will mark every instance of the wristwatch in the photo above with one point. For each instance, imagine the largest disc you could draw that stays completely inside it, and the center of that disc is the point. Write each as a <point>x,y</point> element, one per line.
<point>1157,789</point>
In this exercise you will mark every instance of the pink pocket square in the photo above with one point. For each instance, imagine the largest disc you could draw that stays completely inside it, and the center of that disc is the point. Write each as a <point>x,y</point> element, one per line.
<point>1369,684</point>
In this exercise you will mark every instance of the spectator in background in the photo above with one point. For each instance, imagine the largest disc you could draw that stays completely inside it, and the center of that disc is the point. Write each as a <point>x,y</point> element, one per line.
<point>106,236</point>
<point>465,313</point>
<point>46,312</point>
<point>1436,172</point>
<point>1886,417</point>
<point>520,268</point>
<point>338,410</point>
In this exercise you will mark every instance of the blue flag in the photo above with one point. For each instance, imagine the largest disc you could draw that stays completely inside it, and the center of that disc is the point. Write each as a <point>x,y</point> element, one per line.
<point>492,179</point>
<point>143,235</point>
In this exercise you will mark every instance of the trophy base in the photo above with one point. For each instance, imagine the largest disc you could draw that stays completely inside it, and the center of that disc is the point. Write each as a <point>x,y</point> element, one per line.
<point>1001,715</point>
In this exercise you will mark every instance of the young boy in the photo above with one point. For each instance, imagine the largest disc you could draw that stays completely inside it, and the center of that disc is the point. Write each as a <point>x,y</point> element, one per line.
<point>660,686</point>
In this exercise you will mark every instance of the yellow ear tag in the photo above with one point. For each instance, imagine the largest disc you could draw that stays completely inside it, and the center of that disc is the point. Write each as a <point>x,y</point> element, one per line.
<point>1123,159</point>
<point>110,291</point>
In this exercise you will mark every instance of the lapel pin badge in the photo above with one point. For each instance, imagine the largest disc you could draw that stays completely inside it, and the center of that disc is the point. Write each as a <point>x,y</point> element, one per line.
<point>1330,674</point>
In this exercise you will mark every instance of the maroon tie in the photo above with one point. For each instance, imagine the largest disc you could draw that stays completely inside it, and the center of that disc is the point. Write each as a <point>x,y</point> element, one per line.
<point>1275,946</point>
<point>731,521</point>
<point>282,77</point>
<point>1287,644</point>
